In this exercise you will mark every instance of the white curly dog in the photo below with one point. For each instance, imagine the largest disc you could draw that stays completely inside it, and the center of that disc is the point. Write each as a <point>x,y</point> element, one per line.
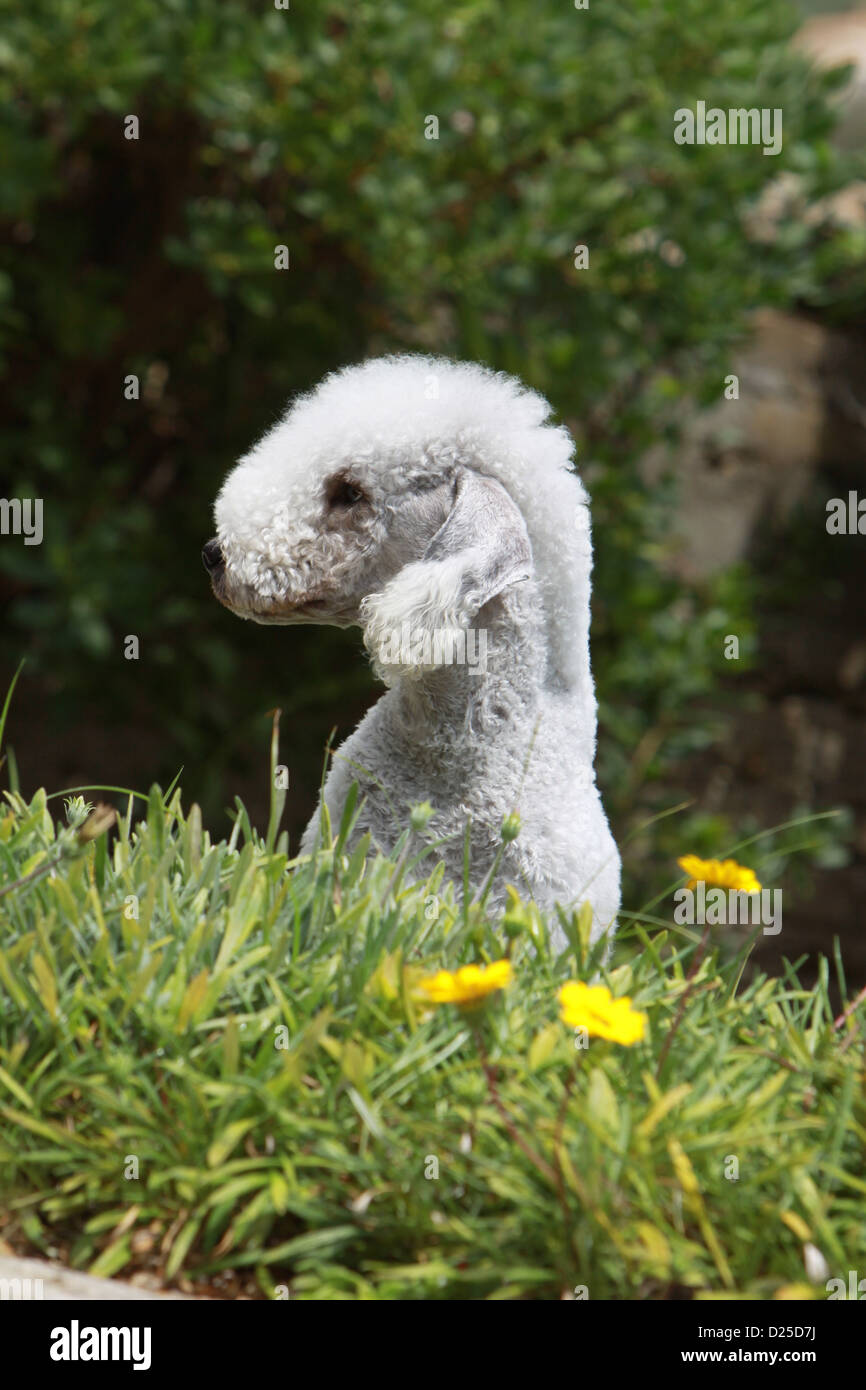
<point>432,504</point>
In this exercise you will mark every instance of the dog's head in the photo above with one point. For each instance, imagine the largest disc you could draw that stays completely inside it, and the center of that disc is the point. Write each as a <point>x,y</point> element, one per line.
<point>369,504</point>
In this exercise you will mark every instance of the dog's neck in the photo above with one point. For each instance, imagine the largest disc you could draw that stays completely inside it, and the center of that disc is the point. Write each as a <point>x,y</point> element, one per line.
<point>490,684</point>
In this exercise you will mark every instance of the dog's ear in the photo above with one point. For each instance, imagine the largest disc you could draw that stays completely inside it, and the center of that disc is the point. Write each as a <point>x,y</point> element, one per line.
<point>481,548</point>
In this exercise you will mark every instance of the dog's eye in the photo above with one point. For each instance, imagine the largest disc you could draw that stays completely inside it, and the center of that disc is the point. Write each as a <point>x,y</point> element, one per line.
<point>345,494</point>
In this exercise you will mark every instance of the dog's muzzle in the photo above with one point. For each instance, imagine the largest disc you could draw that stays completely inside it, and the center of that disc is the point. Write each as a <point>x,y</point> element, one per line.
<point>212,559</point>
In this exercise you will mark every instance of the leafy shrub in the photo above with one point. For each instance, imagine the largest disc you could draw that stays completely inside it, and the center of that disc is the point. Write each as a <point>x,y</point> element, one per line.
<point>306,127</point>
<point>390,1149</point>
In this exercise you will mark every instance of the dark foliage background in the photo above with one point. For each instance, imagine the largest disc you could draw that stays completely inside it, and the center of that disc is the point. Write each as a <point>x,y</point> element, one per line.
<point>260,127</point>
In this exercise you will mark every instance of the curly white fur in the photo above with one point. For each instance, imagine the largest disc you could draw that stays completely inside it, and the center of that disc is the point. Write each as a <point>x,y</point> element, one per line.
<point>417,495</point>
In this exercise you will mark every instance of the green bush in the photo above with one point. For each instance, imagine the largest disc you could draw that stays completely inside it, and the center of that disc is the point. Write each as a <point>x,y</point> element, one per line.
<point>253,1039</point>
<point>306,127</point>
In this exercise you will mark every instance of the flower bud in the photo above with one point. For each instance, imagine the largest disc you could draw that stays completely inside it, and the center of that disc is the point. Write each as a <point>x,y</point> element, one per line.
<point>421,815</point>
<point>510,827</point>
<point>101,818</point>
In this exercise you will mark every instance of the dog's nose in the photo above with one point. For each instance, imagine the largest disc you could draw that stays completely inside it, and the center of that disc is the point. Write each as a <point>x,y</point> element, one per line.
<point>212,557</point>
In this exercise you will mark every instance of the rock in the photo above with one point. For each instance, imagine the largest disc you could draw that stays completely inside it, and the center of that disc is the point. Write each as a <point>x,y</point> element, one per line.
<point>745,464</point>
<point>24,1279</point>
<point>832,41</point>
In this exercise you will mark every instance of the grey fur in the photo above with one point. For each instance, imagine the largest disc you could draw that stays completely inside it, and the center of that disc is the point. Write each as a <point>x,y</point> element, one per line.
<point>376,503</point>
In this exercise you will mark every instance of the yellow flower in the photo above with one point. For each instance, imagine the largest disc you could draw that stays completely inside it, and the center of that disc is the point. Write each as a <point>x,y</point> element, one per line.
<point>469,985</point>
<point>592,1007</point>
<point>725,873</point>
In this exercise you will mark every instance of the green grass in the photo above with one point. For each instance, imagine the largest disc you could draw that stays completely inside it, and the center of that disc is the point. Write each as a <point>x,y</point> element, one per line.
<point>310,1167</point>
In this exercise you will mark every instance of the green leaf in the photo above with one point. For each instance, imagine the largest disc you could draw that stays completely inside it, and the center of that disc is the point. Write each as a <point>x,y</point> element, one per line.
<point>227,1140</point>
<point>113,1258</point>
<point>601,1101</point>
<point>543,1045</point>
